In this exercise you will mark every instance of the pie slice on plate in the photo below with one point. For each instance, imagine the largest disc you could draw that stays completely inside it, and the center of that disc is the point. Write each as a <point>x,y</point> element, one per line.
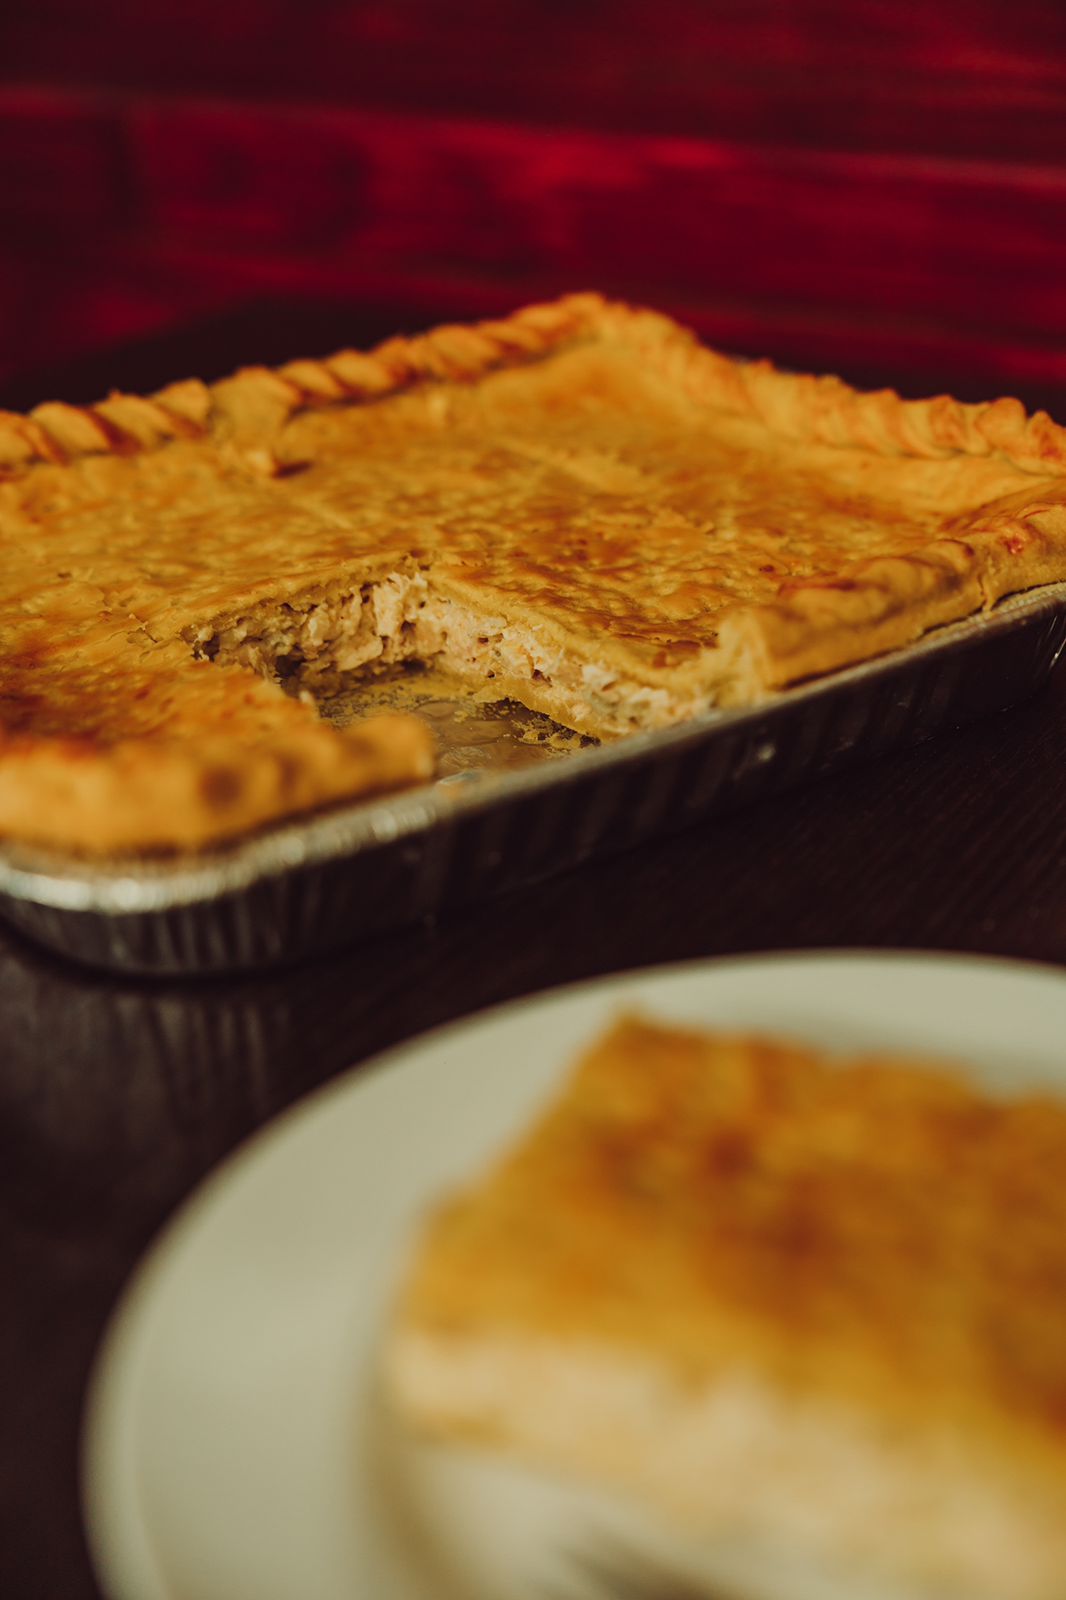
<point>577,507</point>
<point>813,1307</point>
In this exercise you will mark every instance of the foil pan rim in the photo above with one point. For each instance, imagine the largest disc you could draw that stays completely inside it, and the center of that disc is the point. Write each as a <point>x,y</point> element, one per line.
<point>132,885</point>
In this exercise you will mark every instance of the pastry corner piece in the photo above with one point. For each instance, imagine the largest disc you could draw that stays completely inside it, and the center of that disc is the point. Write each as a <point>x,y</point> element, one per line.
<point>146,796</point>
<point>814,1304</point>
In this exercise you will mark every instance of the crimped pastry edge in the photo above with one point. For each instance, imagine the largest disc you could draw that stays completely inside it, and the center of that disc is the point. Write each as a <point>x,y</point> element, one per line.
<point>256,402</point>
<point>883,602</point>
<point>814,628</point>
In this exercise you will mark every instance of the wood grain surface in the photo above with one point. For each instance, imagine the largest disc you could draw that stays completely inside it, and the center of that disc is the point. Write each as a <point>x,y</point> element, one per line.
<point>116,1098</point>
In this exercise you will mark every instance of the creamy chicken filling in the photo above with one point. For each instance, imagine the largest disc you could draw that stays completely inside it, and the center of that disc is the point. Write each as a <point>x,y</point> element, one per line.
<point>319,640</point>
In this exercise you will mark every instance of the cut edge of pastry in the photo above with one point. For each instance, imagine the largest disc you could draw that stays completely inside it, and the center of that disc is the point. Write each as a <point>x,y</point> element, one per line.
<point>818,626</point>
<point>811,1484</point>
<point>326,638</point>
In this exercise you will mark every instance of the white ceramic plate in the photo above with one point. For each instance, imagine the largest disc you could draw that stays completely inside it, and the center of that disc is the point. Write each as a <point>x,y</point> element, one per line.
<point>230,1442</point>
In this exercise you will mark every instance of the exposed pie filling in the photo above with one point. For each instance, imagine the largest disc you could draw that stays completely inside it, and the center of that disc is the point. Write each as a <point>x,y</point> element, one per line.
<point>316,642</point>
<point>578,508</point>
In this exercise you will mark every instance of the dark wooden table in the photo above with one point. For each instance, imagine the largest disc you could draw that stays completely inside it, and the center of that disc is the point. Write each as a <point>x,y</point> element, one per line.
<point>117,1097</point>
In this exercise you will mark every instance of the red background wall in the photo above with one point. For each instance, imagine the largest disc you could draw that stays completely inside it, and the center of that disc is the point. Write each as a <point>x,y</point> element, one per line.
<point>876,187</point>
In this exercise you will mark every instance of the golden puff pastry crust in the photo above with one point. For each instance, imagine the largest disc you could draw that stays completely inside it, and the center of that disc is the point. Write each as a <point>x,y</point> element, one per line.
<point>817,1303</point>
<point>577,506</point>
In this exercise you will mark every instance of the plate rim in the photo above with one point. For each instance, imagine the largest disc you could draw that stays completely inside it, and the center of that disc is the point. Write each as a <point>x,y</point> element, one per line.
<point>108,1491</point>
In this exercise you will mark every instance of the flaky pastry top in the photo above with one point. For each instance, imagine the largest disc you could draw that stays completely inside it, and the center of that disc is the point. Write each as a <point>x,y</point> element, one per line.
<point>712,528</point>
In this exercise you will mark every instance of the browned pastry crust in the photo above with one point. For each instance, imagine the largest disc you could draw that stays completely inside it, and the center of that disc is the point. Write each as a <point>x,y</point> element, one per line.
<point>578,506</point>
<point>770,1290</point>
<point>152,791</point>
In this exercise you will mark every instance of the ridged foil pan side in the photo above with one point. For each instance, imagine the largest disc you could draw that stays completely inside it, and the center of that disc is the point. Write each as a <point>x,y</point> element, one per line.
<point>316,884</point>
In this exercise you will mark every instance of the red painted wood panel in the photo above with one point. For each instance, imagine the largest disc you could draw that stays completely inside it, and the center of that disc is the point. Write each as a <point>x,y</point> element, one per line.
<point>968,77</point>
<point>970,244</point>
<point>61,165</point>
<point>128,291</point>
<point>876,187</point>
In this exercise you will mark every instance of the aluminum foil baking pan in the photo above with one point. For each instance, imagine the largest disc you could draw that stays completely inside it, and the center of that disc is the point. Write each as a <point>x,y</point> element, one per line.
<point>516,801</point>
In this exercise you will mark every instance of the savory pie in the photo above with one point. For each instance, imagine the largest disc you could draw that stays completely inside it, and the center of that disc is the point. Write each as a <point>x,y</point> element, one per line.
<point>815,1304</point>
<point>577,507</point>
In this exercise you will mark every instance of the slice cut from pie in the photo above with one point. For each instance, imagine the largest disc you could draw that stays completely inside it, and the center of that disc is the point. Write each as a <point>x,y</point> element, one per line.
<point>577,507</point>
<point>813,1304</point>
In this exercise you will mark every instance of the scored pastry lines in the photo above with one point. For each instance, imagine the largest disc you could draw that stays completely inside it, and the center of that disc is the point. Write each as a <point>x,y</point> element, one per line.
<point>630,611</point>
